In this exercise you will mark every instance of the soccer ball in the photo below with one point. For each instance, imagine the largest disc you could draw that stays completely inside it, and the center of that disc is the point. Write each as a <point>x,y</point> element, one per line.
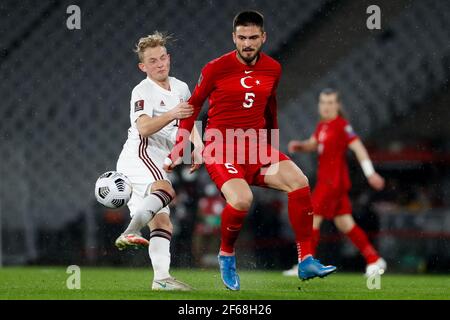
<point>113,189</point>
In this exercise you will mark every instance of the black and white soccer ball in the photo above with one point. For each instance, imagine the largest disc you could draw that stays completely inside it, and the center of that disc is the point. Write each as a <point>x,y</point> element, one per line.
<point>113,189</point>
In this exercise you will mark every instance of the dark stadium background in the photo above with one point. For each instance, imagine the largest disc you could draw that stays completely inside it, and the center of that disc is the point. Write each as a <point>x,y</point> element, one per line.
<point>65,113</point>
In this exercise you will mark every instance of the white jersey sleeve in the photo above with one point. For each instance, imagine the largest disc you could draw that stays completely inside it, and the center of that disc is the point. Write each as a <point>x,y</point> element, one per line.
<point>139,105</point>
<point>187,93</point>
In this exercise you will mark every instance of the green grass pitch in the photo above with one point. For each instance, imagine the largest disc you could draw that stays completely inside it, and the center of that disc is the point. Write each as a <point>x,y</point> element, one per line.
<point>134,283</point>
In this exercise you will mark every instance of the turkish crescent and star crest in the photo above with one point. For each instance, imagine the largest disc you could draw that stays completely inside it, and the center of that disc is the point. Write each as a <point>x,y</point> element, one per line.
<point>246,83</point>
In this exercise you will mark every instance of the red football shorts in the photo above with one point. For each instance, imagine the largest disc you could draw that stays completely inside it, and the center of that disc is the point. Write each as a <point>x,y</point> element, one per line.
<point>246,166</point>
<point>330,202</point>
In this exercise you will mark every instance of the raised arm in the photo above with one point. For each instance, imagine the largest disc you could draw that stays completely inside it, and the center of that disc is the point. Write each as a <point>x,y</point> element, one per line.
<point>374,179</point>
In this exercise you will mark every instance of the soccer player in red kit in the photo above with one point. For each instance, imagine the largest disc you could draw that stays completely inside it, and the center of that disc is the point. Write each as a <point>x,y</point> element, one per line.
<point>331,139</point>
<point>241,86</point>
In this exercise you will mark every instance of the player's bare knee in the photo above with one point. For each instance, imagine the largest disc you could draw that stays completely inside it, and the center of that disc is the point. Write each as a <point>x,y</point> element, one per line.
<point>166,225</point>
<point>344,223</point>
<point>242,202</point>
<point>303,181</point>
<point>298,182</point>
<point>163,185</point>
<point>317,221</point>
<point>170,191</point>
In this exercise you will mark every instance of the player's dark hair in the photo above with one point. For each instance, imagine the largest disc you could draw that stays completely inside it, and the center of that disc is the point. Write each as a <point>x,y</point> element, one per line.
<point>249,18</point>
<point>328,91</point>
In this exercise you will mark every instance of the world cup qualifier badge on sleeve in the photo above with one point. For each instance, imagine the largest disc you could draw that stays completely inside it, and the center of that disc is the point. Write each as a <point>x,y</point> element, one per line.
<point>139,105</point>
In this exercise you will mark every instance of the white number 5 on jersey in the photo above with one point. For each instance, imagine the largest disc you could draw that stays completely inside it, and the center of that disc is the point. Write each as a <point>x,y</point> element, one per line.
<point>231,168</point>
<point>249,99</point>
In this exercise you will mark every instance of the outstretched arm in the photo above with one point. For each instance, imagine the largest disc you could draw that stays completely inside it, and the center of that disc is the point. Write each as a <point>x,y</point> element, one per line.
<point>309,145</point>
<point>374,179</point>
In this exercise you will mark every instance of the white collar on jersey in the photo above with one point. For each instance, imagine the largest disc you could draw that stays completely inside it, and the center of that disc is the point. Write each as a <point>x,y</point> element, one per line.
<point>158,87</point>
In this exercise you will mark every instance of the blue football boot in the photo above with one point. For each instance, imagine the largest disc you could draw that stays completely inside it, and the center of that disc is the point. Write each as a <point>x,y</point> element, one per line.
<point>228,272</point>
<point>311,268</point>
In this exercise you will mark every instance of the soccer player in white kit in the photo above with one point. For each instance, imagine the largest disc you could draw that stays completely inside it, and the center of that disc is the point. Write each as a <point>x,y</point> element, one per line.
<point>157,104</point>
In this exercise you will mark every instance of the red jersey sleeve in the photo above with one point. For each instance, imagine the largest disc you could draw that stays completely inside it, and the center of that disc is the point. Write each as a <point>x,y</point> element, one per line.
<point>271,112</point>
<point>202,90</point>
<point>349,133</point>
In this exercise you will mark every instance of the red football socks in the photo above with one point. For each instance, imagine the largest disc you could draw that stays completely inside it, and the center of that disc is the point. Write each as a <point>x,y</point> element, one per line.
<point>360,240</point>
<point>231,224</point>
<point>301,217</point>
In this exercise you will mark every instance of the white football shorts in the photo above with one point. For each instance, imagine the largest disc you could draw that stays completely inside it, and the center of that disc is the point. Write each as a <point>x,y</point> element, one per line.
<point>143,170</point>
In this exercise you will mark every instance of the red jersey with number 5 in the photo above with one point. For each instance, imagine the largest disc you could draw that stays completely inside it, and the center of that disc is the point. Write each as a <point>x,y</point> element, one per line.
<point>333,138</point>
<point>240,96</point>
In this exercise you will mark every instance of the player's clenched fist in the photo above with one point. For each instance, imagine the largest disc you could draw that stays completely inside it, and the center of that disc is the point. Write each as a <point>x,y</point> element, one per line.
<point>181,111</point>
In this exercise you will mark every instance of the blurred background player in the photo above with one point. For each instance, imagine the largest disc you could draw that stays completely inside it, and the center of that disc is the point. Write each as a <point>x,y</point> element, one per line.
<point>157,103</point>
<point>330,198</point>
<point>207,229</point>
<point>241,86</point>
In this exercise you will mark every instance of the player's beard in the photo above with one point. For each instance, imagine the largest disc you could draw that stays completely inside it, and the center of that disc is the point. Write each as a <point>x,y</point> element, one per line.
<point>249,60</point>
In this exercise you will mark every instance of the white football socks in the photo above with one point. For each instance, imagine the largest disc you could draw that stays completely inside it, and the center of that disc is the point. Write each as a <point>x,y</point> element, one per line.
<point>159,252</point>
<point>150,205</point>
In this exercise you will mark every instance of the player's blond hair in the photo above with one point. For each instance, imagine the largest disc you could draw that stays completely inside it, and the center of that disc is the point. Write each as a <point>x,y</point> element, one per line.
<point>157,39</point>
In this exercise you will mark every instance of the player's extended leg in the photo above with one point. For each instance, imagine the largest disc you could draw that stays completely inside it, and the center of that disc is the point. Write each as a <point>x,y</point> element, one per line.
<point>287,177</point>
<point>346,224</point>
<point>159,252</point>
<point>239,199</point>
<point>160,196</point>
